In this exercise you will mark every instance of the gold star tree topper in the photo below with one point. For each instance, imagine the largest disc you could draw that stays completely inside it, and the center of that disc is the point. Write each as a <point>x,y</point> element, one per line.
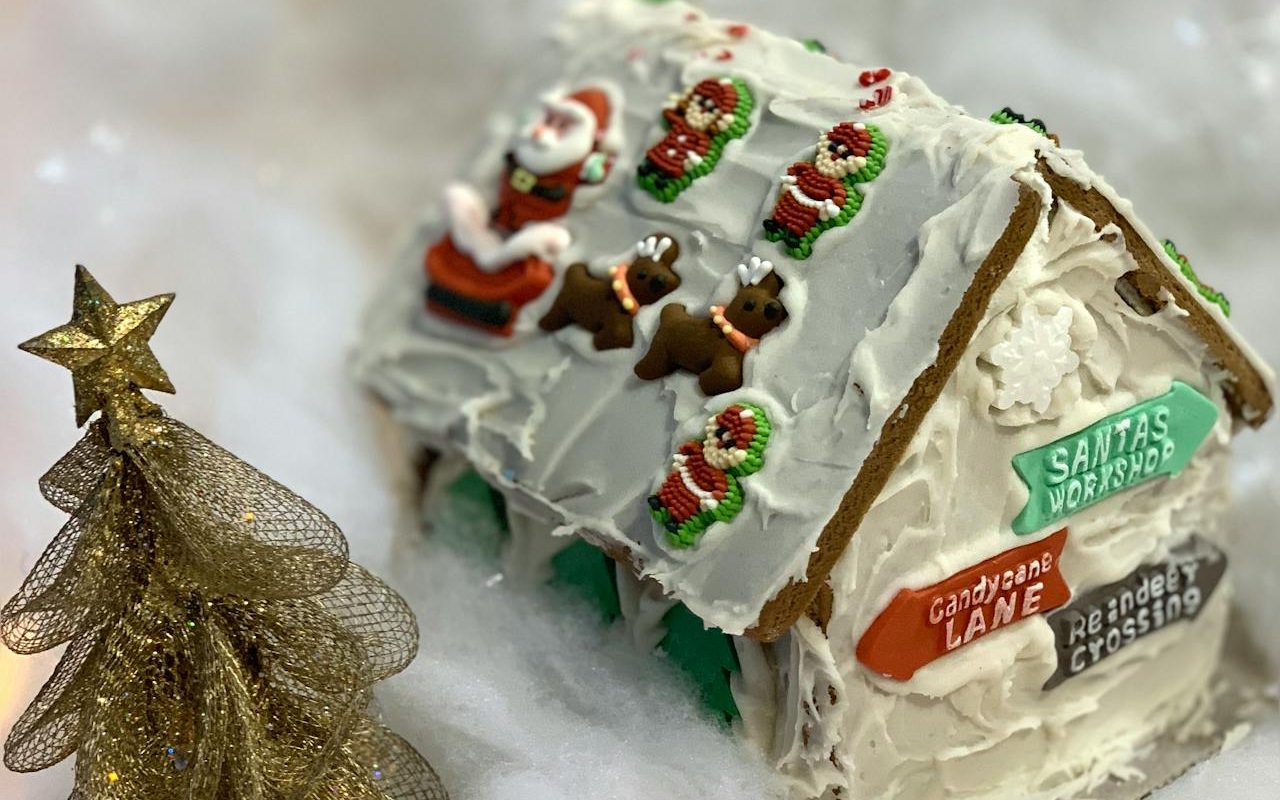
<point>105,345</point>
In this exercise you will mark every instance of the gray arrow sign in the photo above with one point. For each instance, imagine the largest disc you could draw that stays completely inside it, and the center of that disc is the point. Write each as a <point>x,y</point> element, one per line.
<point>1105,620</point>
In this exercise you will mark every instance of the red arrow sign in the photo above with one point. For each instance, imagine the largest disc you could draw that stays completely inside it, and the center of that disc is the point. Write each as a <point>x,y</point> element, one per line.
<point>921,625</point>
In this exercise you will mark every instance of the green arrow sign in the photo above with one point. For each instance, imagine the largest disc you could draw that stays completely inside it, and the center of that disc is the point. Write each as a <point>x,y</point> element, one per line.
<point>1155,437</point>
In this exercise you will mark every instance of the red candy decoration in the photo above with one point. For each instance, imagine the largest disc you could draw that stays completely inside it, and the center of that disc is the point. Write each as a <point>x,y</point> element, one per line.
<point>679,501</point>
<point>922,625</point>
<point>738,30</point>
<point>798,218</point>
<point>741,429</point>
<point>872,77</point>
<point>724,55</point>
<point>880,99</point>
<point>669,155</point>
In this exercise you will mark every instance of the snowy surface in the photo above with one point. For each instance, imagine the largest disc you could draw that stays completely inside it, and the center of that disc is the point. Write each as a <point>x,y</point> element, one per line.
<point>266,161</point>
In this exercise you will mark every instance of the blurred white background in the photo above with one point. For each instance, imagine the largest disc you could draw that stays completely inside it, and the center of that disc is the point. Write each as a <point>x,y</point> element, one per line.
<point>266,160</point>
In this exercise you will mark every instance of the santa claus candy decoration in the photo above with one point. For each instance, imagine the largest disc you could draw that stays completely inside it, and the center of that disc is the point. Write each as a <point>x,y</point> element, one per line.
<point>818,195</point>
<point>699,124</point>
<point>702,487</point>
<point>552,156</point>
<point>493,262</point>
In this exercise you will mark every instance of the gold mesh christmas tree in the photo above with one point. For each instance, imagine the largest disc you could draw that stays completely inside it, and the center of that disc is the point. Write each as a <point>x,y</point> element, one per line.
<point>220,646</point>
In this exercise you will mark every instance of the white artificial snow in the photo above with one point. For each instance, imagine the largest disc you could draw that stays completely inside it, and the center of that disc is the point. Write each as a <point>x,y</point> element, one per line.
<point>1034,358</point>
<point>529,696</point>
<point>267,162</point>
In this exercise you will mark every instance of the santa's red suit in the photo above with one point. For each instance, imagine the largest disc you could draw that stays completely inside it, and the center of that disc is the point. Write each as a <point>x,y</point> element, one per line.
<point>671,154</point>
<point>693,486</point>
<point>525,196</point>
<point>822,195</point>
<point>691,124</point>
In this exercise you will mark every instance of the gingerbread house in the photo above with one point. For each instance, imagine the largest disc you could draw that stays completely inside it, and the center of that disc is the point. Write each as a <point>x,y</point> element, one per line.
<point>893,425</point>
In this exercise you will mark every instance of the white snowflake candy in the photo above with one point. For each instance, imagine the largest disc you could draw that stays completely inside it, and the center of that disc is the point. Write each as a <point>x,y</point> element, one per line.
<point>1033,359</point>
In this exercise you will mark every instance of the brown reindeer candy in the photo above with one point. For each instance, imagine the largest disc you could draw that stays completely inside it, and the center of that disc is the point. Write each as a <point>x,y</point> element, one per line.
<point>607,306</point>
<point>714,348</point>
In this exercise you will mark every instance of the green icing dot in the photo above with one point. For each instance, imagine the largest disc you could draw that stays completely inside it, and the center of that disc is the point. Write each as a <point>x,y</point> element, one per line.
<point>813,45</point>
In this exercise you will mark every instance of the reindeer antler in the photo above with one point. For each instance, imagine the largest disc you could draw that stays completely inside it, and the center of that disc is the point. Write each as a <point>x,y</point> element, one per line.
<point>754,271</point>
<point>653,247</point>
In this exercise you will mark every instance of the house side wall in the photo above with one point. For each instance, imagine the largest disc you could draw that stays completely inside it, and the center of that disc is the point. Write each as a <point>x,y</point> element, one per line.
<point>977,722</point>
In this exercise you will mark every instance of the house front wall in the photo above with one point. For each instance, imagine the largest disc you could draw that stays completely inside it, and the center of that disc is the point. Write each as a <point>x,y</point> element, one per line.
<point>974,718</point>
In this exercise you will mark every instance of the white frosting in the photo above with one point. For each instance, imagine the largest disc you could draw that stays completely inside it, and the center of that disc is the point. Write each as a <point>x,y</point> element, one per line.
<point>809,726</point>
<point>976,723</point>
<point>643,608</point>
<point>1071,164</point>
<point>526,556</point>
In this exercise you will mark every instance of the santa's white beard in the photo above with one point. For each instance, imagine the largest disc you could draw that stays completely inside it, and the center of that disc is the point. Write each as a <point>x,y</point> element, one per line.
<point>544,151</point>
<point>722,457</point>
<point>833,167</point>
